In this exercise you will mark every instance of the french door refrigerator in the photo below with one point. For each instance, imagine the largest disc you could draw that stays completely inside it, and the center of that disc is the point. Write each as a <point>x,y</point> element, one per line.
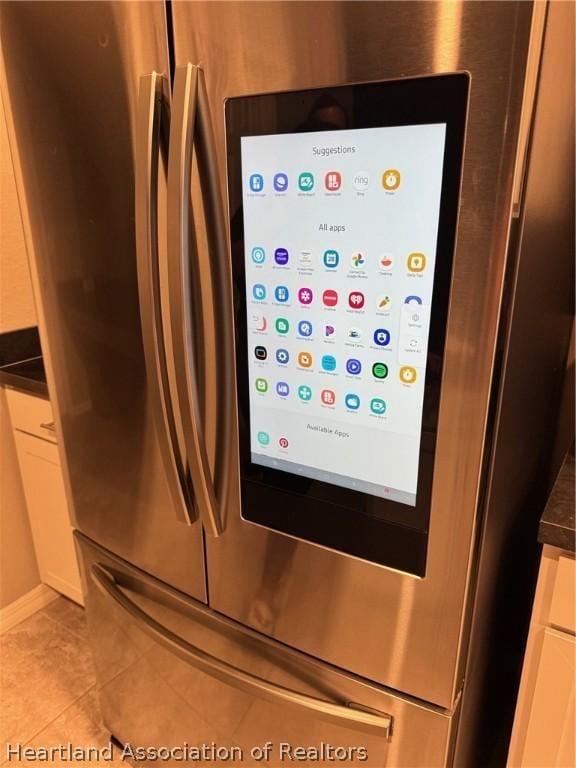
<point>303,277</point>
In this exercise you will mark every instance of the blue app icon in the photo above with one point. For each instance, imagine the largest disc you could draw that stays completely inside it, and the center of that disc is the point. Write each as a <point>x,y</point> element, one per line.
<point>352,401</point>
<point>305,328</point>
<point>282,389</point>
<point>280,182</point>
<point>282,356</point>
<point>381,337</point>
<point>378,406</point>
<point>258,255</point>
<point>281,256</point>
<point>256,182</point>
<point>353,366</point>
<point>259,291</point>
<point>331,259</point>
<point>305,393</point>
<point>328,363</point>
<point>281,293</point>
<point>412,300</point>
<point>263,438</point>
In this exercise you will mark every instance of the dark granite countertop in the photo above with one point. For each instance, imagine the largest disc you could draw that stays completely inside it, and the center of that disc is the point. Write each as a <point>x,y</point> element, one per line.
<point>21,363</point>
<point>557,523</point>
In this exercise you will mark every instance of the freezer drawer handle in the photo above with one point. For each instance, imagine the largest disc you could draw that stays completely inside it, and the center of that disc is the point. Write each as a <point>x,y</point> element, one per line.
<point>182,271</point>
<point>49,425</point>
<point>152,119</point>
<point>348,714</point>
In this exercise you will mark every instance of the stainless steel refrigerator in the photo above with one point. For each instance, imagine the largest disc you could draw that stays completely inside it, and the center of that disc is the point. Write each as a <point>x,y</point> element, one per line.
<point>304,279</point>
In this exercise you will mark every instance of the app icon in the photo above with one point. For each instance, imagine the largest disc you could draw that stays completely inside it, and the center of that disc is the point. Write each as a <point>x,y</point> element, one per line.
<point>352,401</point>
<point>258,255</point>
<point>416,262</point>
<point>305,328</point>
<point>305,258</point>
<point>333,181</point>
<point>381,337</point>
<point>263,438</point>
<point>328,363</point>
<point>391,179</point>
<point>385,262</point>
<point>280,182</point>
<point>261,385</point>
<point>282,356</point>
<point>304,359</point>
<point>282,389</point>
<point>281,256</point>
<point>412,300</point>
<point>378,406</point>
<point>355,300</point>
<point>260,353</point>
<point>330,298</point>
<point>256,182</point>
<point>379,370</point>
<point>305,296</point>
<point>282,325</point>
<point>353,366</point>
<point>407,374</point>
<point>361,181</point>
<point>354,334</point>
<point>328,397</point>
<point>331,259</point>
<point>259,291</point>
<point>305,393</point>
<point>306,181</point>
<point>283,442</point>
<point>258,322</point>
<point>383,303</point>
<point>358,260</point>
<point>281,293</point>
<point>329,331</point>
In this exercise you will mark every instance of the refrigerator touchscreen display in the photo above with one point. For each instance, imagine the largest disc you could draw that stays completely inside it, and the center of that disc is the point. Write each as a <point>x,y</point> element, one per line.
<point>340,238</point>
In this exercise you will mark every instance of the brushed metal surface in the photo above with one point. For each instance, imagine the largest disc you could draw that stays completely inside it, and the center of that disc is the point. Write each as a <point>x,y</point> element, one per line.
<point>139,676</point>
<point>391,628</point>
<point>72,71</point>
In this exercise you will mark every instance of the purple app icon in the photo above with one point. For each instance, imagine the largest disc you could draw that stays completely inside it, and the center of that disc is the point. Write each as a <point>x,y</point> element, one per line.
<point>281,256</point>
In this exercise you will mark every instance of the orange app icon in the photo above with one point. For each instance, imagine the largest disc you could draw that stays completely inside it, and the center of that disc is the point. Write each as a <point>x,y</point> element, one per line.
<point>391,179</point>
<point>304,359</point>
<point>407,374</point>
<point>416,262</point>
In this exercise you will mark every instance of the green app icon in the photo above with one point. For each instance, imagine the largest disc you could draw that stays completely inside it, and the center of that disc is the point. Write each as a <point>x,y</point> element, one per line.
<point>378,406</point>
<point>306,181</point>
<point>263,438</point>
<point>379,370</point>
<point>282,325</point>
<point>305,393</point>
<point>261,385</point>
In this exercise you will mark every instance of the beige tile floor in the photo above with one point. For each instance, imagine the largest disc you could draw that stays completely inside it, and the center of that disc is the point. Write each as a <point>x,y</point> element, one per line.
<point>48,692</point>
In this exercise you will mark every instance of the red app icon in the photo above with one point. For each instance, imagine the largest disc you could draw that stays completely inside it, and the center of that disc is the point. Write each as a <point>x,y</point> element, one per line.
<point>328,397</point>
<point>330,298</point>
<point>333,181</point>
<point>355,300</point>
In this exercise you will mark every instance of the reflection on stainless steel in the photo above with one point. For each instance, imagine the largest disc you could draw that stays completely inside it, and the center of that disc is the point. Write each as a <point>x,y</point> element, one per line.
<point>285,617</point>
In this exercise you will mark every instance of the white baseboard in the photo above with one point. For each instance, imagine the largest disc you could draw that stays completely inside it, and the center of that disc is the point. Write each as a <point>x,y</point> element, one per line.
<point>25,606</point>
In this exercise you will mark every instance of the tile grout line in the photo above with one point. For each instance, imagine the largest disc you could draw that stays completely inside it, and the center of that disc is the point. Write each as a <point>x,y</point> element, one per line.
<point>61,624</point>
<point>66,708</point>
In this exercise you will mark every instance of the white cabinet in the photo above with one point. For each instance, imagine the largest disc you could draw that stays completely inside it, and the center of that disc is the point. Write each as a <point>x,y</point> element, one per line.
<point>39,461</point>
<point>544,733</point>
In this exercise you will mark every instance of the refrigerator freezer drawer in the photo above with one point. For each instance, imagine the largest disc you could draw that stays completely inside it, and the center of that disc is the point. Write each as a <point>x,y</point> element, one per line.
<point>177,675</point>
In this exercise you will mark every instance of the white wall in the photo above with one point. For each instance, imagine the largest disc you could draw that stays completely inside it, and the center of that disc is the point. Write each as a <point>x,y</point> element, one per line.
<point>18,569</point>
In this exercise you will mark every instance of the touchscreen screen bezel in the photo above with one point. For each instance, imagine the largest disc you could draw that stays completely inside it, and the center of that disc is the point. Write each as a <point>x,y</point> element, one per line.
<point>369,527</point>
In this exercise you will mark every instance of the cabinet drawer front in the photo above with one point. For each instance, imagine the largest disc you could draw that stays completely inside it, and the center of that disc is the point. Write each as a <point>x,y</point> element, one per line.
<point>562,611</point>
<point>31,414</point>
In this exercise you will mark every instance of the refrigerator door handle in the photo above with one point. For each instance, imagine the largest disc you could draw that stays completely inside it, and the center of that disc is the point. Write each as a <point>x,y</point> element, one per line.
<point>182,253</point>
<point>221,284</point>
<point>347,714</point>
<point>151,104</point>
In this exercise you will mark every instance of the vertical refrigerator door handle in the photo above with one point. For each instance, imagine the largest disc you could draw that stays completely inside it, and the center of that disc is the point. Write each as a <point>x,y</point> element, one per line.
<point>221,283</point>
<point>150,105</point>
<point>182,254</point>
<point>344,714</point>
